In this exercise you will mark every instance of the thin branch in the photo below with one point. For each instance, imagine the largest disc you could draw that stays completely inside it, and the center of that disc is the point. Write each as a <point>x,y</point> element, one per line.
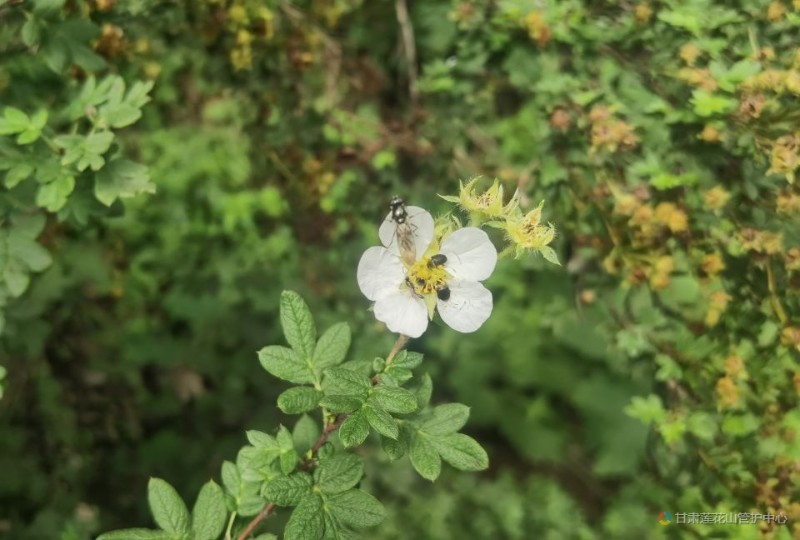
<point>407,31</point>
<point>264,514</point>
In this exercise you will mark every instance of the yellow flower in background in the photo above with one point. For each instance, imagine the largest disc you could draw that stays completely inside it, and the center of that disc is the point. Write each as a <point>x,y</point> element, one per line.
<point>529,234</point>
<point>672,217</point>
<point>716,198</point>
<point>488,204</point>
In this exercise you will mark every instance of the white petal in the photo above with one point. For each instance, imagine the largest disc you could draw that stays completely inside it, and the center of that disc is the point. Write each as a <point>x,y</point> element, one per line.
<point>421,223</point>
<point>470,254</point>
<point>469,306</point>
<point>403,313</point>
<point>379,273</point>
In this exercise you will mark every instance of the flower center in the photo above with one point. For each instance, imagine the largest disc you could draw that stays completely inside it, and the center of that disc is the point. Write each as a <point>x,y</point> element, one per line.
<point>427,276</point>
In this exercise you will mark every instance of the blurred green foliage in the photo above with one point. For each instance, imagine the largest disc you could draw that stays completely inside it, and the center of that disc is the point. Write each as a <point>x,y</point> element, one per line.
<point>142,257</point>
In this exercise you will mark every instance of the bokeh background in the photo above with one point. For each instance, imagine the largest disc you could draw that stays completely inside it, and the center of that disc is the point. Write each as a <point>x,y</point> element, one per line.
<point>656,370</point>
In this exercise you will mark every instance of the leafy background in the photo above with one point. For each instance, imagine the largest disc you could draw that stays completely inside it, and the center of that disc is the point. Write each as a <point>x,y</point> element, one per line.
<point>169,167</point>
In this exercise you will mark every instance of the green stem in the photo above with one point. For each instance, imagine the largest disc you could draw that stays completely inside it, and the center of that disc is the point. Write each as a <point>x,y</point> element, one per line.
<point>230,526</point>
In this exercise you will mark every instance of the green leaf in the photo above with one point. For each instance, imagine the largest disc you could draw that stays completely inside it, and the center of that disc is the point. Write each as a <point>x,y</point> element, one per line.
<point>381,421</point>
<point>395,399</point>
<point>13,121</point>
<point>31,32</point>
<point>209,512</point>
<point>17,174</point>
<point>16,278</point>
<point>288,455</point>
<point>53,196</point>
<point>169,511</point>
<point>332,346</point>
<point>298,400</point>
<point>395,449</point>
<point>136,534</point>
<point>346,382</point>
<point>356,508</point>
<point>341,404</point>
<point>445,419</point>
<point>307,521</point>
<point>260,439</point>
<point>284,363</point>
<point>425,458</point>
<point>289,490</point>
<point>462,452</point>
<point>28,252</point>
<point>305,434</point>
<point>424,391</point>
<point>298,325</point>
<point>122,178</point>
<point>339,473</point>
<point>407,360</point>
<point>649,410</point>
<point>549,255</point>
<point>354,429</point>
<point>706,104</point>
<point>99,142</point>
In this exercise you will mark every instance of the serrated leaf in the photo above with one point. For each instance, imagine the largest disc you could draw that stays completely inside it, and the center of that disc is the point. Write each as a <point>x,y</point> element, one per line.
<point>346,382</point>
<point>332,346</point>
<point>341,404</point>
<point>307,521</point>
<point>209,512</point>
<point>395,399</point>
<point>445,419</point>
<point>425,458</point>
<point>136,534</point>
<point>407,360</point>
<point>122,178</point>
<point>298,324</point>
<point>462,452</point>
<point>354,429</point>
<point>168,509</point>
<point>298,400</point>
<point>288,490</point>
<point>339,473</point>
<point>284,363</point>
<point>356,508</point>
<point>381,421</point>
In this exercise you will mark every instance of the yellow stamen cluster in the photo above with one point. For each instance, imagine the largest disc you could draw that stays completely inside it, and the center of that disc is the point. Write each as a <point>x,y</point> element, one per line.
<point>424,279</point>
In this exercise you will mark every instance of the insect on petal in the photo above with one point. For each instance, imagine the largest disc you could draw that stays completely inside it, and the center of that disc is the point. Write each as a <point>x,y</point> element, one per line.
<point>469,306</point>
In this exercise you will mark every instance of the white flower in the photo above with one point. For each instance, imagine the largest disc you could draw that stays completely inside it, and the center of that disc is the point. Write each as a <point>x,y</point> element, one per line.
<point>405,296</point>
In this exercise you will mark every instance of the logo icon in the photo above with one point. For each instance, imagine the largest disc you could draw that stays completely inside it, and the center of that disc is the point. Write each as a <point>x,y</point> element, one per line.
<point>665,518</point>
